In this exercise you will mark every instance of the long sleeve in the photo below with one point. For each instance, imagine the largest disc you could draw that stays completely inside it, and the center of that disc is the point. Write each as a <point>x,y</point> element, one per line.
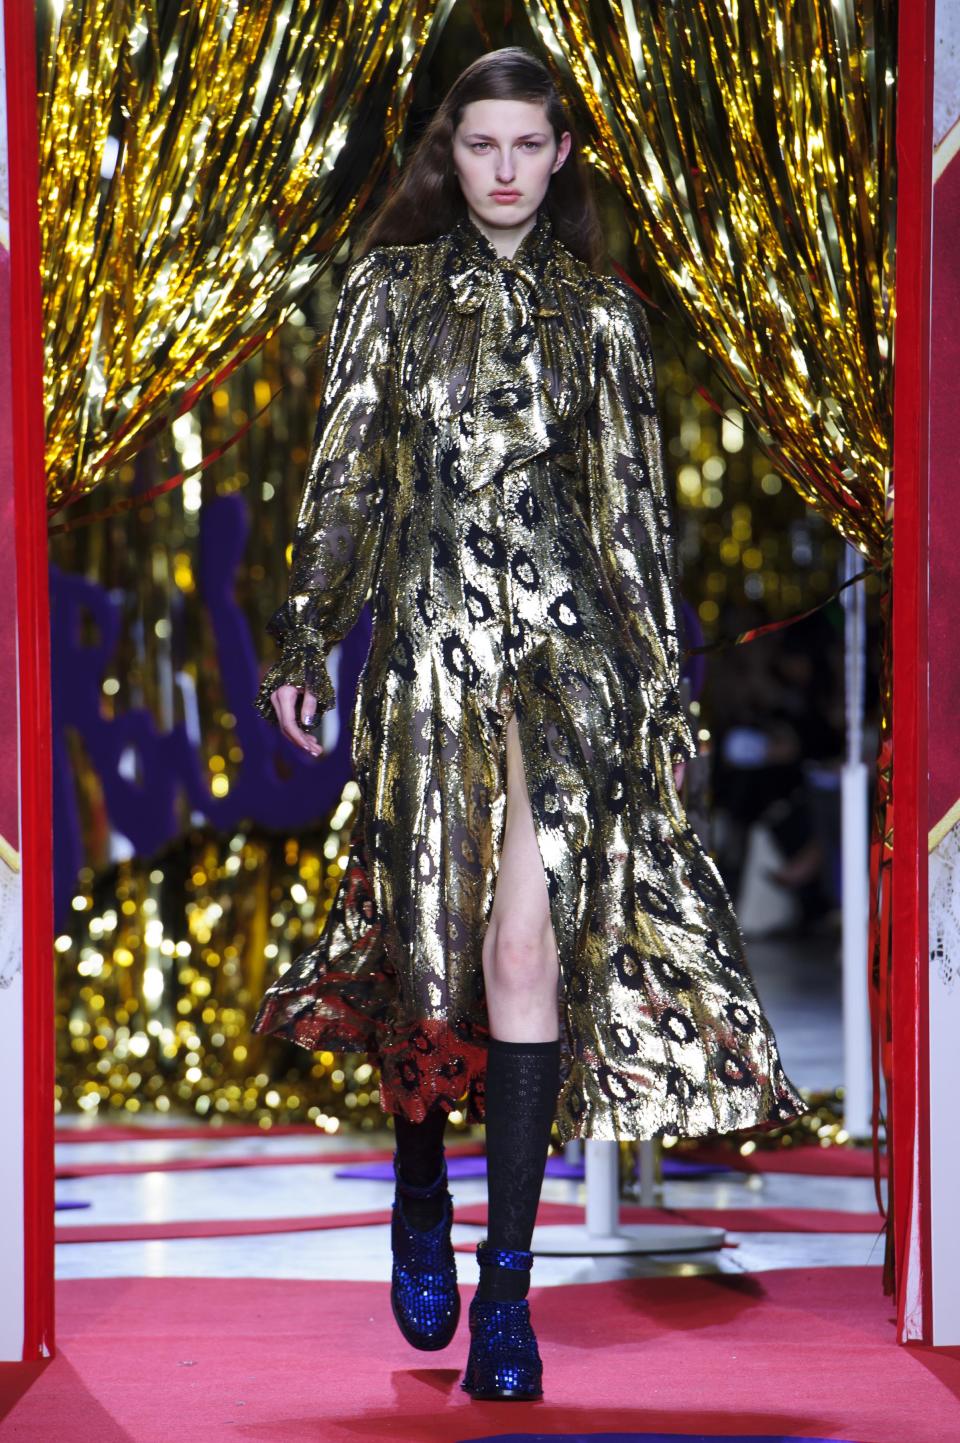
<point>342,514</point>
<point>631,519</point>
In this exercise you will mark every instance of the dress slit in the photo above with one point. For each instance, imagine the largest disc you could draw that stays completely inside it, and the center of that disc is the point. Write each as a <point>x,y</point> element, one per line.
<point>541,851</point>
<point>556,776</point>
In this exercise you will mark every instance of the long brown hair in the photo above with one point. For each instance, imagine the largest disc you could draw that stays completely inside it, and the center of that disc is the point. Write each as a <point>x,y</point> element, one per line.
<point>426,198</point>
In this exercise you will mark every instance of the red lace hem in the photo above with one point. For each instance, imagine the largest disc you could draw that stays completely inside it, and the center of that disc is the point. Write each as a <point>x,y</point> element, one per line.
<point>426,1065</point>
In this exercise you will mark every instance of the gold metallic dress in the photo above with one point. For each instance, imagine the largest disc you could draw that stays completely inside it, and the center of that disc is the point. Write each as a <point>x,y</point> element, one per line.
<point>487,469</point>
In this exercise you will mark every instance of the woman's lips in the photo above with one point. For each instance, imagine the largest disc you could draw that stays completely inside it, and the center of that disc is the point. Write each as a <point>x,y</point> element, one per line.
<point>503,196</point>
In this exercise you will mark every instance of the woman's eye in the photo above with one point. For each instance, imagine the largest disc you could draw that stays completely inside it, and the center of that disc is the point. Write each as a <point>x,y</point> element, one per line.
<point>485,144</point>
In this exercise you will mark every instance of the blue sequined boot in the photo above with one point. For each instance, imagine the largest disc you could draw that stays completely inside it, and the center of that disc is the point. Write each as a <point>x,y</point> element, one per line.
<point>423,1287</point>
<point>504,1360</point>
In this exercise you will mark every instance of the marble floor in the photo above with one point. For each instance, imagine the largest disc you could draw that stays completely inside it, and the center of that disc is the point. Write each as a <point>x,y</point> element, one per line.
<point>799,985</point>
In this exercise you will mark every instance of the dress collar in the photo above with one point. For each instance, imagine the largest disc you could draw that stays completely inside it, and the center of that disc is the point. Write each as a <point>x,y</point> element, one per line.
<point>533,250</point>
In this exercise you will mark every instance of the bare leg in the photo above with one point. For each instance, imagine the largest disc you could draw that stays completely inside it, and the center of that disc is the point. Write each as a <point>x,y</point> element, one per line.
<point>520,968</point>
<point>520,962</point>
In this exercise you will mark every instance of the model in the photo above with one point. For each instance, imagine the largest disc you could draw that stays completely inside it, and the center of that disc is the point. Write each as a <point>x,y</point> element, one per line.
<point>528,929</point>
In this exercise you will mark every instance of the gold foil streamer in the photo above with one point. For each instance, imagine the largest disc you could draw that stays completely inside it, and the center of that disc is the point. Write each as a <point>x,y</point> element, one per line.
<point>754,143</point>
<point>227,1083</point>
<point>198,166</point>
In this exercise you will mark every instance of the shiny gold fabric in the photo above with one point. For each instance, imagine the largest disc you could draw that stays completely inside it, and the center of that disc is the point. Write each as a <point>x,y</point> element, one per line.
<point>487,467</point>
<point>198,165</point>
<point>754,145</point>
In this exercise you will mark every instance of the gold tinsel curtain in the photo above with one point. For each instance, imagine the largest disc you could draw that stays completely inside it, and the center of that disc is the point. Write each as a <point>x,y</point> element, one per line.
<point>754,142</point>
<point>199,162</point>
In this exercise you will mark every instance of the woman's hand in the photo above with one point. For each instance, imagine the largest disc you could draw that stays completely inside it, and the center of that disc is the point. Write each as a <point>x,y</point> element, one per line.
<point>678,771</point>
<point>284,701</point>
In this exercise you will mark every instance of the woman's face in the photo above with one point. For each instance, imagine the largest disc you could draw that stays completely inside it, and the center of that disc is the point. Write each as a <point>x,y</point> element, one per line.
<point>504,153</point>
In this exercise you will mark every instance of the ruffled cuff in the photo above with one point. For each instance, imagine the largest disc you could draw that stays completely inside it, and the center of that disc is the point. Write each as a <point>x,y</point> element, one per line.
<point>303,663</point>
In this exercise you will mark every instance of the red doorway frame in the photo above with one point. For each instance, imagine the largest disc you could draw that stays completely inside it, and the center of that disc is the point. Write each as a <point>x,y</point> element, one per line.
<point>910,1162</point>
<point>33,637</point>
<point>909,1104</point>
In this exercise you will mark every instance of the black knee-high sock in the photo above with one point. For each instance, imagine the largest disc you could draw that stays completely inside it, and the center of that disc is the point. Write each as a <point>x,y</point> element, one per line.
<point>420,1156</point>
<point>523,1080</point>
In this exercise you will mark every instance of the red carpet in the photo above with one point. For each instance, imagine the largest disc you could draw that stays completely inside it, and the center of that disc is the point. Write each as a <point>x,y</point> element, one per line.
<point>805,1352</point>
<point>747,1220</point>
<point>143,1131</point>
<point>822,1161</point>
<point>214,1228</point>
<point>740,1220</point>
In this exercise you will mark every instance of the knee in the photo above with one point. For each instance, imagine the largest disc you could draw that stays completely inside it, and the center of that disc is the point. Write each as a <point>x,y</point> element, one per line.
<point>519,959</point>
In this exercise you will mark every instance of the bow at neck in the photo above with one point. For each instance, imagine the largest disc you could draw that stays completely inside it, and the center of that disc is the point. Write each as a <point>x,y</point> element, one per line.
<point>477,267</point>
<point>511,418</point>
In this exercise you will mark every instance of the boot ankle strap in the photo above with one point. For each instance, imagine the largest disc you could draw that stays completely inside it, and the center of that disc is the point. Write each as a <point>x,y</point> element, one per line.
<point>412,1190</point>
<point>489,1257</point>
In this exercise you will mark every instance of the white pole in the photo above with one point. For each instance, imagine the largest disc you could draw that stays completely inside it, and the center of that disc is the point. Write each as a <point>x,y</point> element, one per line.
<point>603,1188</point>
<point>855,851</point>
<point>648,1173</point>
<point>603,1232</point>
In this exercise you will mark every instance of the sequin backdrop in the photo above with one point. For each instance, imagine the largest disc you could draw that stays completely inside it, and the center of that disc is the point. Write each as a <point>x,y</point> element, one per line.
<point>163,956</point>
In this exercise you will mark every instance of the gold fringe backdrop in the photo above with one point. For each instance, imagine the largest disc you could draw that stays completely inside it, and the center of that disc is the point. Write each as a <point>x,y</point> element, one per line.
<point>163,956</point>
<point>201,165</point>
<point>198,163</point>
<point>124,358</point>
<point>754,144</point>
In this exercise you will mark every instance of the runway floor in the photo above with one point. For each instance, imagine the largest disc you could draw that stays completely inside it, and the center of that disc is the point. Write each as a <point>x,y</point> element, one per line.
<point>799,985</point>
<point>802,1353</point>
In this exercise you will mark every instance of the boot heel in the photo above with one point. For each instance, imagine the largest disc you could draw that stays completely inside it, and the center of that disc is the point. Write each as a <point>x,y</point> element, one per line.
<point>504,1360</point>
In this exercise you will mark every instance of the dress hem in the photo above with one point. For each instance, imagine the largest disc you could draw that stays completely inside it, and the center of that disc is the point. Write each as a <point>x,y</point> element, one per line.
<point>453,1079</point>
